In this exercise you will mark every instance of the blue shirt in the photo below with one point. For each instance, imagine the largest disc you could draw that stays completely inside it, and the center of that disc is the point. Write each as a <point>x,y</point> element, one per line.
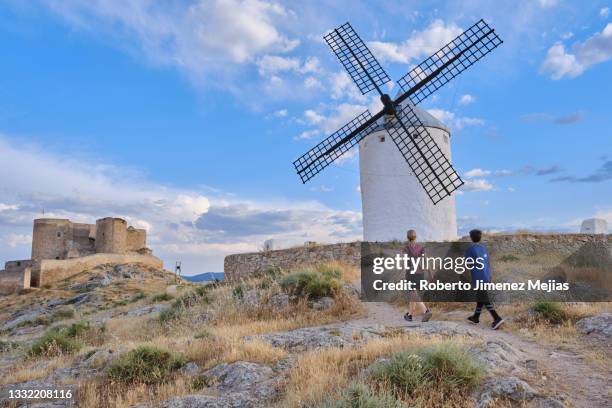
<point>479,272</point>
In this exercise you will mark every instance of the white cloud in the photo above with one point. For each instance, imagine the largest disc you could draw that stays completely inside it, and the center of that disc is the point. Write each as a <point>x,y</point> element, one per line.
<point>180,221</point>
<point>321,189</point>
<point>466,99</point>
<point>604,12</point>
<point>419,44</point>
<point>503,173</point>
<point>476,173</point>
<point>343,87</point>
<point>313,117</point>
<point>560,62</point>
<point>511,189</point>
<point>15,240</point>
<point>548,3</point>
<point>308,134</point>
<point>272,64</point>
<point>312,83</point>
<point>202,39</point>
<point>5,207</point>
<point>477,185</point>
<point>567,36</point>
<point>281,113</point>
<point>449,119</point>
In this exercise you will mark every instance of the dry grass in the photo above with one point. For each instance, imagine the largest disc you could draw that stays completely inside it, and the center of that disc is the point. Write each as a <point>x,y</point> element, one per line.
<point>103,394</point>
<point>319,374</point>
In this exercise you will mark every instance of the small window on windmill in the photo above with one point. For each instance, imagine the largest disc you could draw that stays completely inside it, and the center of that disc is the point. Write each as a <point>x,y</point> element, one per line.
<point>59,234</point>
<point>382,139</point>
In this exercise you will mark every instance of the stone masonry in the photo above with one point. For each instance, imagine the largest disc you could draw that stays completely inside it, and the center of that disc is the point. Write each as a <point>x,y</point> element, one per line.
<point>239,266</point>
<point>60,247</point>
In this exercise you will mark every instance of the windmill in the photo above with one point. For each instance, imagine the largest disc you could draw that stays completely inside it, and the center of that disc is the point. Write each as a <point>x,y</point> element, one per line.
<point>399,118</point>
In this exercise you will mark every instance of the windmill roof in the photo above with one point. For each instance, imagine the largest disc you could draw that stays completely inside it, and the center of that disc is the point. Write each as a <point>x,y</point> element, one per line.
<point>427,118</point>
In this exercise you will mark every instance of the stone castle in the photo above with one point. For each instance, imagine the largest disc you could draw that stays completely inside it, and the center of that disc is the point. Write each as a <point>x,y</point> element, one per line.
<point>61,248</point>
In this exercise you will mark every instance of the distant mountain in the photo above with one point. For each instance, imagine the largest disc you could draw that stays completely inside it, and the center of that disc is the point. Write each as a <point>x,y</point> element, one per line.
<point>205,277</point>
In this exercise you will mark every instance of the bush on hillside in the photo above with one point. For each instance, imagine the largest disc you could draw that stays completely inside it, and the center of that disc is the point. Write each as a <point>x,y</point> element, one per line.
<point>443,364</point>
<point>59,340</point>
<point>145,365</point>
<point>550,311</point>
<point>359,395</point>
<point>310,284</point>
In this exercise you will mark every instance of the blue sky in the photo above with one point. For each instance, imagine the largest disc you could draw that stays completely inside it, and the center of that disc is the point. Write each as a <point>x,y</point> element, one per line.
<point>184,116</point>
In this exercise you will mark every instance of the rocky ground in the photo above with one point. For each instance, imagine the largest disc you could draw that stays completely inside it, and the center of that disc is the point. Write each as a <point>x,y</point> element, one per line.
<point>248,364</point>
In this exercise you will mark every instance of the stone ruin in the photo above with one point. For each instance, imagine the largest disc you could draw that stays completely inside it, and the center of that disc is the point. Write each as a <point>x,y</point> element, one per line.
<point>61,248</point>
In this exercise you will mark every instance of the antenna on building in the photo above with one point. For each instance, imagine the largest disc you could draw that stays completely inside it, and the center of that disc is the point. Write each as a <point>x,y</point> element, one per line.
<point>177,269</point>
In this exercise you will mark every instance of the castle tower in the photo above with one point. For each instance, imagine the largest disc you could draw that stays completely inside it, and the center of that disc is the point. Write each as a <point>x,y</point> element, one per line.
<point>51,238</point>
<point>111,235</point>
<point>392,199</point>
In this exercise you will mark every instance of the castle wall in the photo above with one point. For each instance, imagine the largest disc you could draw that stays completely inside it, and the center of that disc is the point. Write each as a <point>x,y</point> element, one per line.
<point>136,239</point>
<point>111,236</point>
<point>83,240</point>
<point>15,280</point>
<point>52,270</point>
<point>239,266</point>
<point>51,238</point>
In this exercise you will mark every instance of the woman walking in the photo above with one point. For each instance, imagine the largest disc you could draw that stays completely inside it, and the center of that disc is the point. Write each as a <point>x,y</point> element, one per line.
<point>414,250</point>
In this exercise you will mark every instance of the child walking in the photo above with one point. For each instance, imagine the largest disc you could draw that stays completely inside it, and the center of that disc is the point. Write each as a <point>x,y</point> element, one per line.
<point>482,274</point>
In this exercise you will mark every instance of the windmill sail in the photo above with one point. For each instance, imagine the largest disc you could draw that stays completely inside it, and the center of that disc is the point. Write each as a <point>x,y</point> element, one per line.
<point>356,58</point>
<point>334,146</point>
<point>448,62</point>
<point>428,163</point>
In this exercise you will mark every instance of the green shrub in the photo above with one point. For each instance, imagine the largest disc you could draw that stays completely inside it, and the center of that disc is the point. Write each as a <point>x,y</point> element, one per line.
<point>63,314</point>
<point>59,340</point>
<point>203,334</point>
<point>137,297</point>
<point>238,292</point>
<point>162,297</point>
<point>508,258</point>
<point>359,395</point>
<point>404,371</point>
<point>310,284</point>
<point>443,364</point>
<point>449,364</point>
<point>144,365</point>
<point>550,311</point>
<point>185,301</point>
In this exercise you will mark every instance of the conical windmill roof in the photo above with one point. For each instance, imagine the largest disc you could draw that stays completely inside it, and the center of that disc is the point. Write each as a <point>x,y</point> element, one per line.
<point>426,118</point>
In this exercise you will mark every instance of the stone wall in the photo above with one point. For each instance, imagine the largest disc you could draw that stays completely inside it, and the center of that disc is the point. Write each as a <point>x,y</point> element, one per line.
<point>136,239</point>
<point>241,265</point>
<point>15,280</point>
<point>53,270</point>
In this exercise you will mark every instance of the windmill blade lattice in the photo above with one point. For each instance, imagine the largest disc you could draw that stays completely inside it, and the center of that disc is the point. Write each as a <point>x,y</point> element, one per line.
<point>428,163</point>
<point>334,146</point>
<point>449,61</point>
<point>356,58</point>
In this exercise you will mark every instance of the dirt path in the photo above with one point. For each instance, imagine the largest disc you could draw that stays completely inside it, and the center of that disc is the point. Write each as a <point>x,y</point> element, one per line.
<point>583,385</point>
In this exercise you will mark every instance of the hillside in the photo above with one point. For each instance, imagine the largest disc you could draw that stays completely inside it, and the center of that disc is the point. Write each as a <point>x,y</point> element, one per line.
<point>124,336</point>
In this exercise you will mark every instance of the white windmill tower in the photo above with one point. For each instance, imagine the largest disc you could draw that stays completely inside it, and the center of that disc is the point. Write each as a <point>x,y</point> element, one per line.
<point>392,199</point>
<point>406,174</point>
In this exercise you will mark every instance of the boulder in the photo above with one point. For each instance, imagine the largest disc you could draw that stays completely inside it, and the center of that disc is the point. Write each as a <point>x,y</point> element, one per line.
<point>141,311</point>
<point>510,388</point>
<point>251,298</point>
<point>21,317</point>
<point>279,301</point>
<point>324,303</point>
<point>307,338</point>
<point>600,325</point>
